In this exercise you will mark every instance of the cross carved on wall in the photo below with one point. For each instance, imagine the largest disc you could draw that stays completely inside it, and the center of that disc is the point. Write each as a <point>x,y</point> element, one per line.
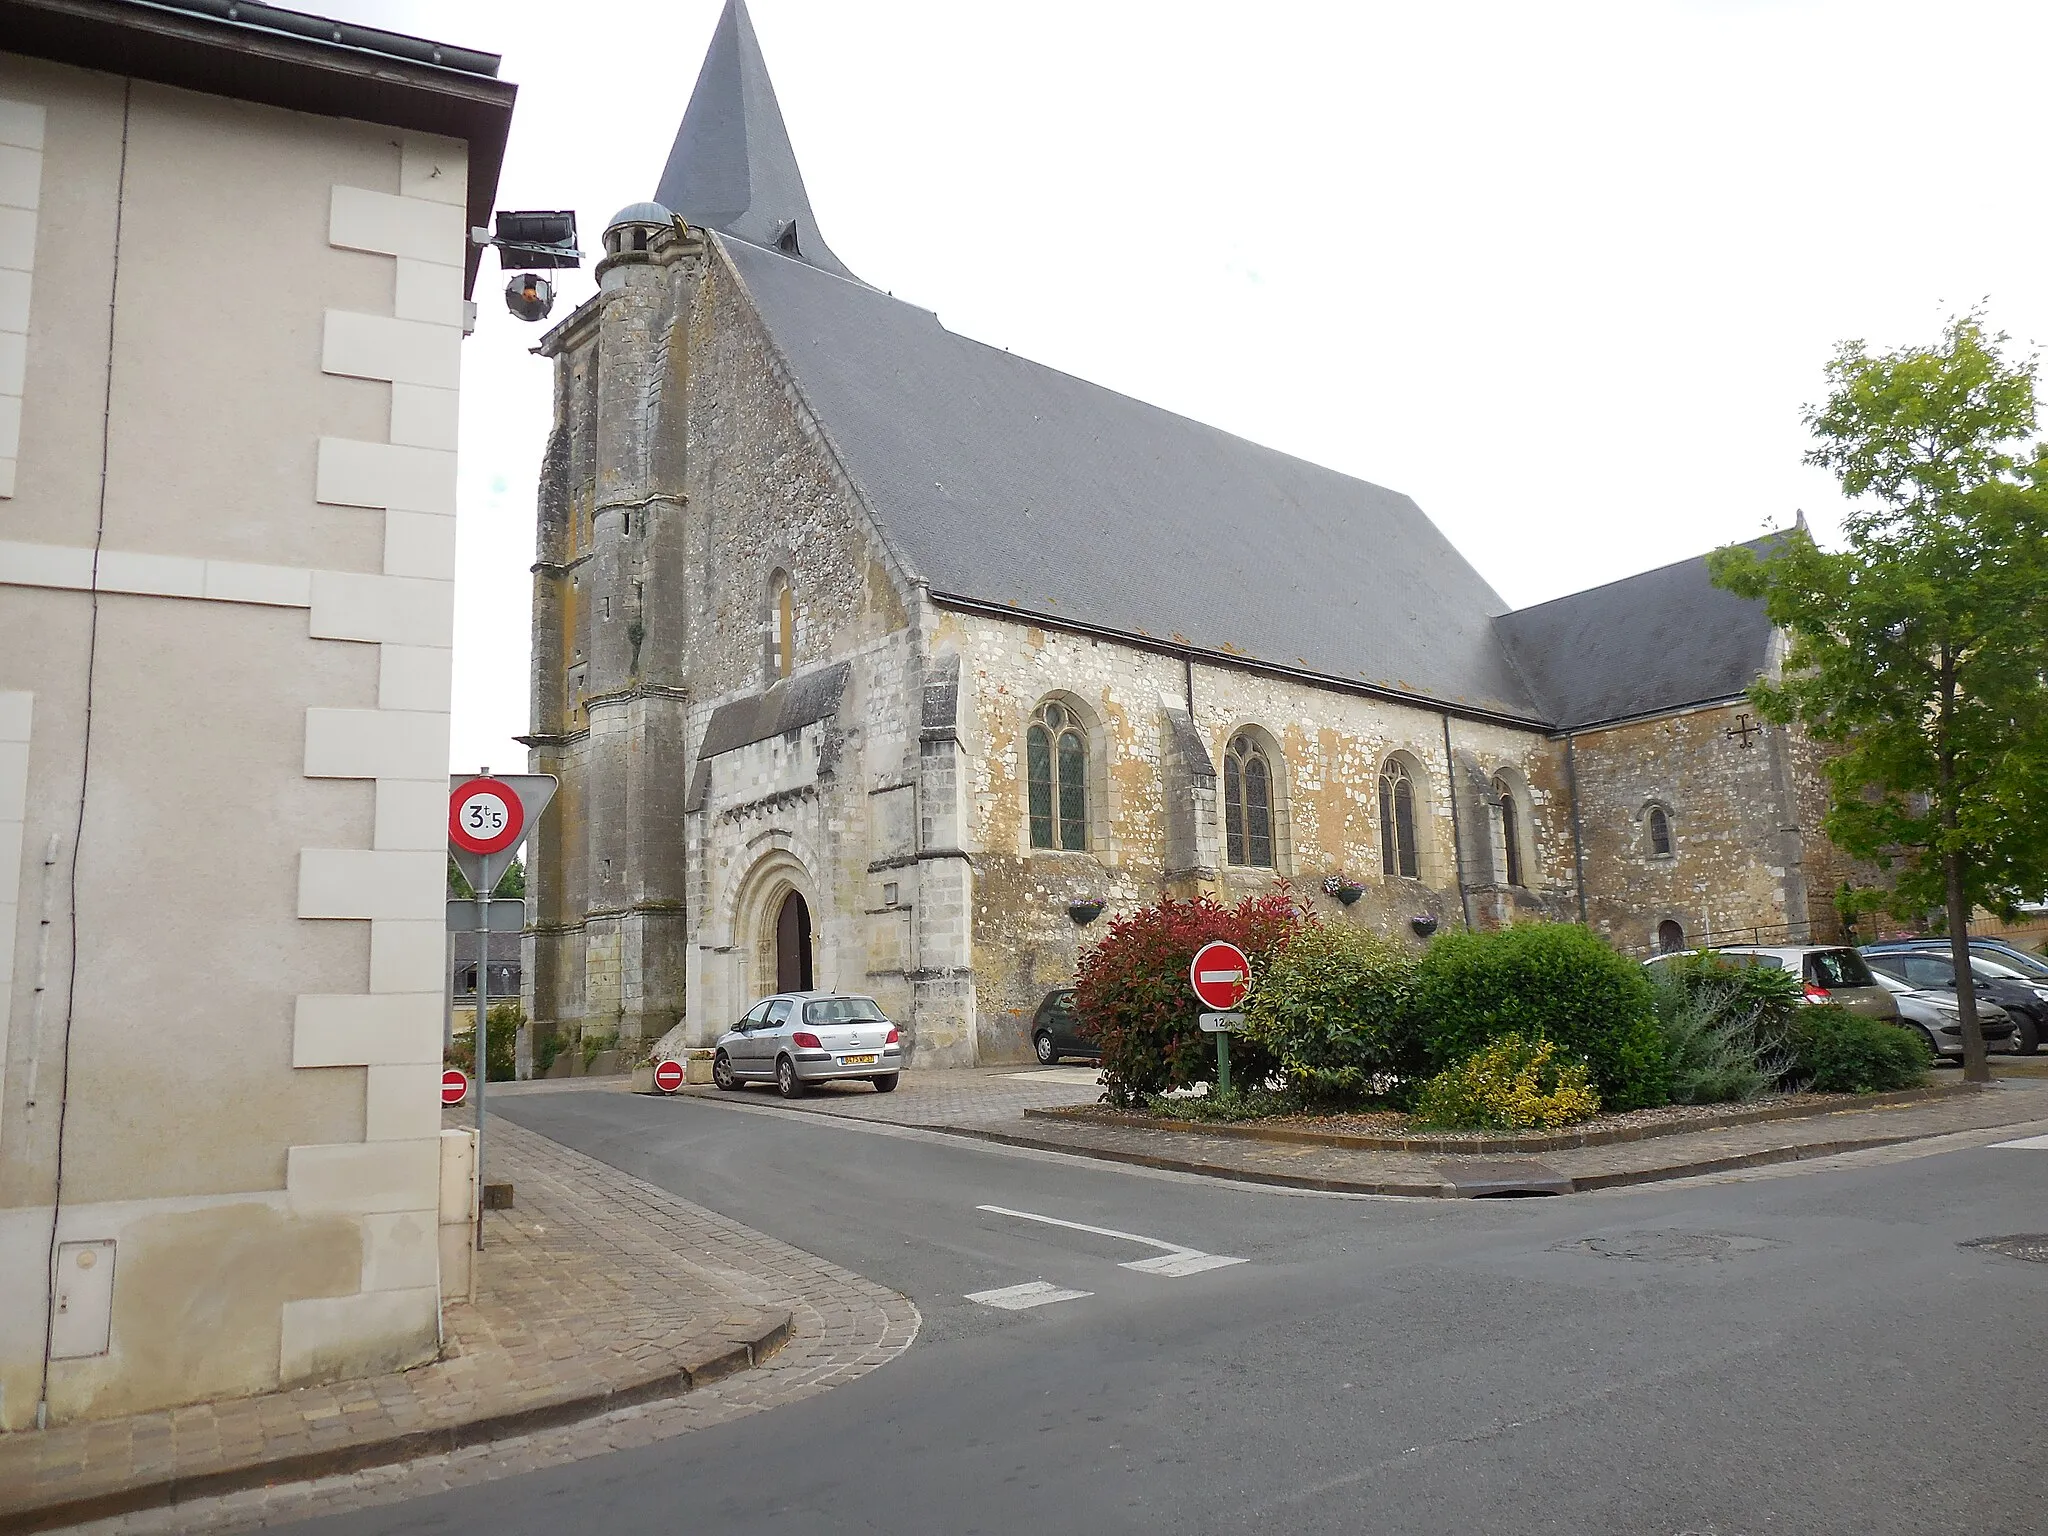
<point>1743,730</point>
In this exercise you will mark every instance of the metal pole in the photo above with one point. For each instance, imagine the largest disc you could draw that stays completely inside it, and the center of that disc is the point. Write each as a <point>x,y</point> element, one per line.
<point>482,1041</point>
<point>1222,1062</point>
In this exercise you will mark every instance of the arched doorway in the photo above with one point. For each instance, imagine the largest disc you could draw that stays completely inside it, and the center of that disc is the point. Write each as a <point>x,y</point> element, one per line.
<point>1670,937</point>
<point>793,945</point>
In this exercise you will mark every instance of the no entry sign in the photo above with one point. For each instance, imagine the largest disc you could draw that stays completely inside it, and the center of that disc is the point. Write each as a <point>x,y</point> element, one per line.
<point>485,816</point>
<point>668,1075</point>
<point>454,1086</point>
<point>1220,975</point>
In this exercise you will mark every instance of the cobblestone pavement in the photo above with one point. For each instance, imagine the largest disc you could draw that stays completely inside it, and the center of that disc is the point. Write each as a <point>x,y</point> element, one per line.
<point>594,1271</point>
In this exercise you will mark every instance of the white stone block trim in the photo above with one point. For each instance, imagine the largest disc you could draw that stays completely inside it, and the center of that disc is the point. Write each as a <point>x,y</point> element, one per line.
<point>21,185</point>
<point>396,609</point>
<point>415,677</point>
<point>372,883</point>
<point>142,575</point>
<point>392,1028</point>
<point>402,1100</point>
<point>377,744</point>
<point>358,474</point>
<point>419,544</point>
<point>361,220</point>
<point>407,955</point>
<point>363,1177</point>
<point>412,813</point>
<point>403,351</point>
<point>331,1336</point>
<point>430,292</point>
<point>401,1251</point>
<point>422,417</point>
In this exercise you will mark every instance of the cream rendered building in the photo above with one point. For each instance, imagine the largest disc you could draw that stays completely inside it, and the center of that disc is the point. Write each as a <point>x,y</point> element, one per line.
<point>234,267</point>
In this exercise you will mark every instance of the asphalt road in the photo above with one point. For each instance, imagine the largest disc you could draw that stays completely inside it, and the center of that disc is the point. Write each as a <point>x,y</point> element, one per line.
<point>1799,1353</point>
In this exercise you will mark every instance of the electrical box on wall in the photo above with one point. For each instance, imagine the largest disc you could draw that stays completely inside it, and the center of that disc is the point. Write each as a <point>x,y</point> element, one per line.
<point>84,1322</point>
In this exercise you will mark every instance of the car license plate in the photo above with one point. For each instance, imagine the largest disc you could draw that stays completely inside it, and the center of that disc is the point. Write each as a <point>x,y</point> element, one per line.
<point>856,1061</point>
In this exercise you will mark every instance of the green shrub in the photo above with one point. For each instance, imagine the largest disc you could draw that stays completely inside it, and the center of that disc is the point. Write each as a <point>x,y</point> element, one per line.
<point>501,1047</point>
<point>1132,995</point>
<point>1724,1036</point>
<point>1555,980</point>
<point>1334,1005</point>
<point>1835,1051</point>
<point>1512,1084</point>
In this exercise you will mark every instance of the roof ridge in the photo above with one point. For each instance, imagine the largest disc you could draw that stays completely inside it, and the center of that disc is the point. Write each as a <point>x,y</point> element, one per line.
<point>1671,565</point>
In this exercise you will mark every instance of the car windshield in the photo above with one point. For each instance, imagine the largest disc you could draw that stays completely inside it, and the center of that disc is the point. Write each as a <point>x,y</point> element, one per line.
<point>1995,969</point>
<point>844,1010</point>
<point>1838,968</point>
<point>2026,965</point>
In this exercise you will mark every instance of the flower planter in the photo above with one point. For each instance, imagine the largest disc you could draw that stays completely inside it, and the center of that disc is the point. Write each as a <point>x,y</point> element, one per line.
<point>643,1078</point>
<point>697,1066</point>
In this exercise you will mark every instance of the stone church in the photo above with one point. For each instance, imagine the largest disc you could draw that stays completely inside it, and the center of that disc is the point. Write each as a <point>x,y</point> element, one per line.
<point>871,657</point>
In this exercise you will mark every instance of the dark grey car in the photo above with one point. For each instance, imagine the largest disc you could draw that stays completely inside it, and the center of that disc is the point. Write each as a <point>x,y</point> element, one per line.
<point>1933,970</point>
<point>1056,1029</point>
<point>1940,1022</point>
<point>794,1039</point>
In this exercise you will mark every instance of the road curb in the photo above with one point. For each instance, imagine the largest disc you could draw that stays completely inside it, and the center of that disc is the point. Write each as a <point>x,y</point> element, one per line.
<point>1423,1190</point>
<point>1482,1146</point>
<point>709,1365</point>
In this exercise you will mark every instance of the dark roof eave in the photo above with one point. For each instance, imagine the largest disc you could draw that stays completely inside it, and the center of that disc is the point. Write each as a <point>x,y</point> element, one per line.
<point>1209,657</point>
<point>196,51</point>
<point>1718,701</point>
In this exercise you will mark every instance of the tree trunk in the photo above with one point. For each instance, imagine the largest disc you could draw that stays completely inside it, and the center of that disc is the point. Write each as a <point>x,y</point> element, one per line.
<point>1976,1069</point>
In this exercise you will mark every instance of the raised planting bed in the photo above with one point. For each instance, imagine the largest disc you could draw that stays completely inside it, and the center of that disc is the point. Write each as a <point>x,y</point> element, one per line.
<point>1387,1130</point>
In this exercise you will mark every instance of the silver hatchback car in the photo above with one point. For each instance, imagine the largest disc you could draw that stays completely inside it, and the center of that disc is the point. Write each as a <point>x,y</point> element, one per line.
<point>794,1039</point>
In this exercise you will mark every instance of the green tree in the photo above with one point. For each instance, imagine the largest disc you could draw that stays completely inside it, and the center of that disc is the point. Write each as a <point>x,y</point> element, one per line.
<point>1921,648</point>
<point>510,884</point>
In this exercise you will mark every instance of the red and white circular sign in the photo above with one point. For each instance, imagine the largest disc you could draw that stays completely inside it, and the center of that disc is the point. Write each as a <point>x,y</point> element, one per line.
<point>668,1075</point>
<point>454,1086</point>
<point>1220,975</point>
<point>485,816</point>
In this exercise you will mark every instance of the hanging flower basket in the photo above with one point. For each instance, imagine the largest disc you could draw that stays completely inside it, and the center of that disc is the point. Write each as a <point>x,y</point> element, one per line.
<point>1084,912</point>
<point>1346,891</point>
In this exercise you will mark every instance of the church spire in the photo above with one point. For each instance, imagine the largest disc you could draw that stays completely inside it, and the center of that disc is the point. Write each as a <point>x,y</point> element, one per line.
<point>732,168</point>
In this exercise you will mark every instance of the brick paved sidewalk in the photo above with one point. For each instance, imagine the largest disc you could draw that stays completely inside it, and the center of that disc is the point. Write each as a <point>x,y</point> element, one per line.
<point>2012,1102</point>
<point>597,1292</point>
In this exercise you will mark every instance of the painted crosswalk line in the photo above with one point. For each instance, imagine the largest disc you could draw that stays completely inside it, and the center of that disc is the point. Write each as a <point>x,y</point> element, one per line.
<point>2031,1143</point>
<point>1173,1260</point>
<point>1034,1293</point>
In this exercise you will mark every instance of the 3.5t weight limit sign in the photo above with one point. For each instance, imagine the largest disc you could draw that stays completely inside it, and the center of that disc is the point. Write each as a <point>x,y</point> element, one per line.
<point>485,816</point>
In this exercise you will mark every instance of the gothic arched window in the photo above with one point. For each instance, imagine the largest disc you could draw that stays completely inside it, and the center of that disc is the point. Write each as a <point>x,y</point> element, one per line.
<point>1056,775</point>
<point>1399,853</point>
<point>1247,803</point>
<point>1657,831</point>
<point>1511,831</point>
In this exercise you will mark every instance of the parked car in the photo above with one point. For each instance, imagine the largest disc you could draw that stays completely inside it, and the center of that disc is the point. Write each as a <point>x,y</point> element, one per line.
<point>794,1039</point>
<point>1828,973</point>
<point>2032,967</point>
<point>1933,970</point>
<point>1940,1021</point>
<point>1056,1029</point>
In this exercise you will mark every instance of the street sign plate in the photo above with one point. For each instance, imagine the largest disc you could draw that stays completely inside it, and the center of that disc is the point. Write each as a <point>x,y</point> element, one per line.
<point>1220,975</point>
<point>508,915</point>
<point>668,1075</point>
<point>485,816</point>
<point>531,792</point>
<point>1221,1023</point>
<point>454,1086</point>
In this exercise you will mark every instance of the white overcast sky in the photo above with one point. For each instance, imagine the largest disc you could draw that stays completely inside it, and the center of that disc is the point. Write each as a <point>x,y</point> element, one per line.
<point>1564,273</point>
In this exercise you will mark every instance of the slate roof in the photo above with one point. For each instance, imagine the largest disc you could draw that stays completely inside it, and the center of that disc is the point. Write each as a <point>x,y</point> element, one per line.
<point>1003,481</point>
<point>1661,640</point>
<point>1006,484</point>
<point>789,704</point>
<point>732,167</point>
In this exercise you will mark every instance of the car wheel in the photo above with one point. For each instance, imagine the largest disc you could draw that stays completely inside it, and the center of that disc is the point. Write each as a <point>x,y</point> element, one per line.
<point>1927,1038</point>
<point>721,1072</point>
<point>2026,1034</point>
<point>1042,1044</point>
<point>787,1083</point>
<point>886,1083</point>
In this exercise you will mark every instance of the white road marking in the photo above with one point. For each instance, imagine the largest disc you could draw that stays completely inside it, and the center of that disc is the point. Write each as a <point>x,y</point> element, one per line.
<point>1208,976</point>
<point>2030,1142</point>
<point>1033,1293</point>
<point>1176,1259</point>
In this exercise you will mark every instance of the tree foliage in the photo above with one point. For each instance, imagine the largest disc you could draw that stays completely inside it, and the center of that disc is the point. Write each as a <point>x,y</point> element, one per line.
<point>1921,649</point>
<point>1335,1006</point>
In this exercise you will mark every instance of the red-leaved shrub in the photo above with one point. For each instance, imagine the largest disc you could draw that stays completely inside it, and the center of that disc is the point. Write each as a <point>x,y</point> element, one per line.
<point>1132,991</point>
